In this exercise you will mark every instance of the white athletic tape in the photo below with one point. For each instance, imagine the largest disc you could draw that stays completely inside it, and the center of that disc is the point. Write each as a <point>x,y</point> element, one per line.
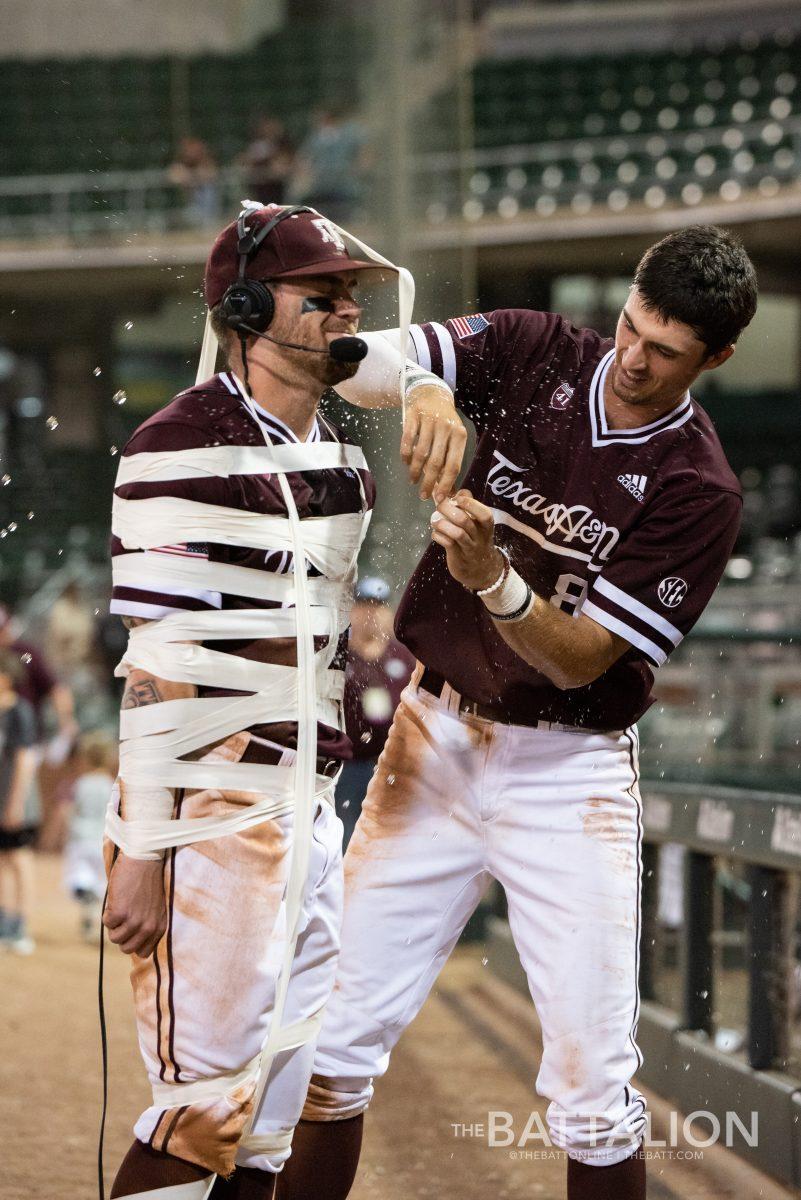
<point>224,461</point>
<point>237,581</point>
<point>200,1091</point>
<point>304,768</point>
<point>199,1189</point>
<point>176,1095</point>
<point>328,542</point>
<point>268,1144</point>
<point>208,352</point>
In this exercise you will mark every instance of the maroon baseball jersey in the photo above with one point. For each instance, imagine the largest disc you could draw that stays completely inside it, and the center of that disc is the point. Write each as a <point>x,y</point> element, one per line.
<point>632,527</point>
<point>214,414</point>
<point>372,692</point>
<point>36,681</point>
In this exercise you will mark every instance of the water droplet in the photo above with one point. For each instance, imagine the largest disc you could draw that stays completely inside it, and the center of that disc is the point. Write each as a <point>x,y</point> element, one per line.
<point>6,480</point>
<point>3,533</point>
<point>52,422</point>
<point>12,525</point>
<point>59,553</point>
<point>26,658</point>
<point>97,371</point>
<point>30,516</point>
<point>112,450</point>
<point>484,962</point>
<point>367,736</point>
<point>129,324</point>
<point>390,780</point>
<point>97,612</point>
<point>120,397</point>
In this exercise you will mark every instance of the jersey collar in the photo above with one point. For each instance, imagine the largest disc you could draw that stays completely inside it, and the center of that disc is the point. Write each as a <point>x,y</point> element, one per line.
<point>602,435</point>
<point>276,428</point>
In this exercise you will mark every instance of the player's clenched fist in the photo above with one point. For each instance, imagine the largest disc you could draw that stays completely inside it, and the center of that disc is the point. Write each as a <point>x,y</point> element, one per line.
<point>136,909</point>
<point>433,442</point>
<point>465,528</point>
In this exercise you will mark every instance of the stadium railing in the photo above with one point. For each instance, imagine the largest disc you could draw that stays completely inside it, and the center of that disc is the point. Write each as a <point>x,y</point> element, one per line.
<point>585,177</point>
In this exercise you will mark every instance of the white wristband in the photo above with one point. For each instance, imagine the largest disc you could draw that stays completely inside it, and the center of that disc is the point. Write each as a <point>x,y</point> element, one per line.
<point>418,377</point>
<point>145,804</point>
<point>510,596</point>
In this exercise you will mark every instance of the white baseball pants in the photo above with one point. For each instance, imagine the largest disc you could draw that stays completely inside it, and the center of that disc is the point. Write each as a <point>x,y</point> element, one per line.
<point>555,817</point>
<point>204,999</point>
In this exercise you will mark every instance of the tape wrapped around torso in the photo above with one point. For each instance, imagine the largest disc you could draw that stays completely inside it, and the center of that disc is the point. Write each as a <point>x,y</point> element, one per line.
<point>156,739</point>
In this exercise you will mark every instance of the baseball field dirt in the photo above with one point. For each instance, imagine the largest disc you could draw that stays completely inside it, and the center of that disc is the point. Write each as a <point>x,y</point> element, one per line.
<point>471,1052</point>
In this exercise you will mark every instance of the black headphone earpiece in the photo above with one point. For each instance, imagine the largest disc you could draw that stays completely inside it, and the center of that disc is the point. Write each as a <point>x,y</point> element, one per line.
<point>250,302</point>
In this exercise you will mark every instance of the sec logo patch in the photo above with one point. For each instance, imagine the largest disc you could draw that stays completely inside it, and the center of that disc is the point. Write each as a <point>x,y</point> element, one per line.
<point>671,591</point>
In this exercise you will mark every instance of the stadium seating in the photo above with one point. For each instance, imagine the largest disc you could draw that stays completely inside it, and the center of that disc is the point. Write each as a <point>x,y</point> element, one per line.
<point>127,113</point>
<point>598,133</point>
<point>608,131</point>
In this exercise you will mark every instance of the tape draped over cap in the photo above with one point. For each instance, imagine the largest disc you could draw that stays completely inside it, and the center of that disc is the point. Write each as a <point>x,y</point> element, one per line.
<point>304,244</point>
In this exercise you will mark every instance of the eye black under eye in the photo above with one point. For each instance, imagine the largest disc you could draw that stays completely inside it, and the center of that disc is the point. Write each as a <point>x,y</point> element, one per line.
<point>317,304</point>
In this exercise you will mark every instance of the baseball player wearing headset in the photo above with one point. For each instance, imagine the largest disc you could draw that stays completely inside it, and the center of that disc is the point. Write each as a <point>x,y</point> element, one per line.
<point>210,494</point>
<point>595,522</point>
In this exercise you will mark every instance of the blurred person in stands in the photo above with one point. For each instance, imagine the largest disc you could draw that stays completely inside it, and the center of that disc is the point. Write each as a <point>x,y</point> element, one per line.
<point>332,164</point>
<point>195,171</point>
<point>267,161</point>
<point>69,640</point>
<point>40,687</point>
<point>84,870</point>
<point>378,669</point>
<point>19,807</point>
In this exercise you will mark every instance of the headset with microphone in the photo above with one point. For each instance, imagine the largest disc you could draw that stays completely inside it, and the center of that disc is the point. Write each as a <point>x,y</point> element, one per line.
<point>248,305</point>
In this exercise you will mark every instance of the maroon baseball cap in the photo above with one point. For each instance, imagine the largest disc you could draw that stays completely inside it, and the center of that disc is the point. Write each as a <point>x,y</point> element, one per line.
<point>303,244</point>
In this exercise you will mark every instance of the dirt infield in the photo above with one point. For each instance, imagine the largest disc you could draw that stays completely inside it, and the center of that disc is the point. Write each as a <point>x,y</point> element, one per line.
<point>473,1050</point>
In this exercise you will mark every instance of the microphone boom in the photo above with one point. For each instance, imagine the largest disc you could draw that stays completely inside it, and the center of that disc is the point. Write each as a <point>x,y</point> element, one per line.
<point>342,349</point>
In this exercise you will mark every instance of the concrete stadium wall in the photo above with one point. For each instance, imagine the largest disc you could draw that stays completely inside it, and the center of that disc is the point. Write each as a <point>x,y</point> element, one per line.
<point>72,28</point>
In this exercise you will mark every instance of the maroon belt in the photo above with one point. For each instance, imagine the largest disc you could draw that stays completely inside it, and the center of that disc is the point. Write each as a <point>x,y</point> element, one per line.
<point>433,682</point>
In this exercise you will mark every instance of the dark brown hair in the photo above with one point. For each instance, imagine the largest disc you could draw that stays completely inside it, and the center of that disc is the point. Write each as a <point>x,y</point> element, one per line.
<point>702,277</point>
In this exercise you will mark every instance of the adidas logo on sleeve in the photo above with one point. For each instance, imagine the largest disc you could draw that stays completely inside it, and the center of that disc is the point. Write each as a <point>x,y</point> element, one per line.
<point>635,484</point>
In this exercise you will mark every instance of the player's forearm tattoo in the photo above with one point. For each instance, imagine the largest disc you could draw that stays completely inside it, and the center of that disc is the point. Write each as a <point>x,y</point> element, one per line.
<point>137,695</point>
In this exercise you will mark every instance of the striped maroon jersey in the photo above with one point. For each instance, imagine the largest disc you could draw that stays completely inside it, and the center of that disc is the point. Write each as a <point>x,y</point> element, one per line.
<point>213,414</point>
<point>632,527</point>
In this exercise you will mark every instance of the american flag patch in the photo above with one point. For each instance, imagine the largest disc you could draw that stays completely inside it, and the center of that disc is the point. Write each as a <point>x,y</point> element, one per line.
<point>468,326</point>
<point>185,550</point>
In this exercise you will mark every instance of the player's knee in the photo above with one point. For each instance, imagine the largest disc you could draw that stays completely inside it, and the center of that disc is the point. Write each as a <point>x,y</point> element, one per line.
<point>331,1099</point>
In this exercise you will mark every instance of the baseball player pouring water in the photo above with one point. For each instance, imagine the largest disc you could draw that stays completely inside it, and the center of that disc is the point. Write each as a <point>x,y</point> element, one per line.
<point>593,527</point>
